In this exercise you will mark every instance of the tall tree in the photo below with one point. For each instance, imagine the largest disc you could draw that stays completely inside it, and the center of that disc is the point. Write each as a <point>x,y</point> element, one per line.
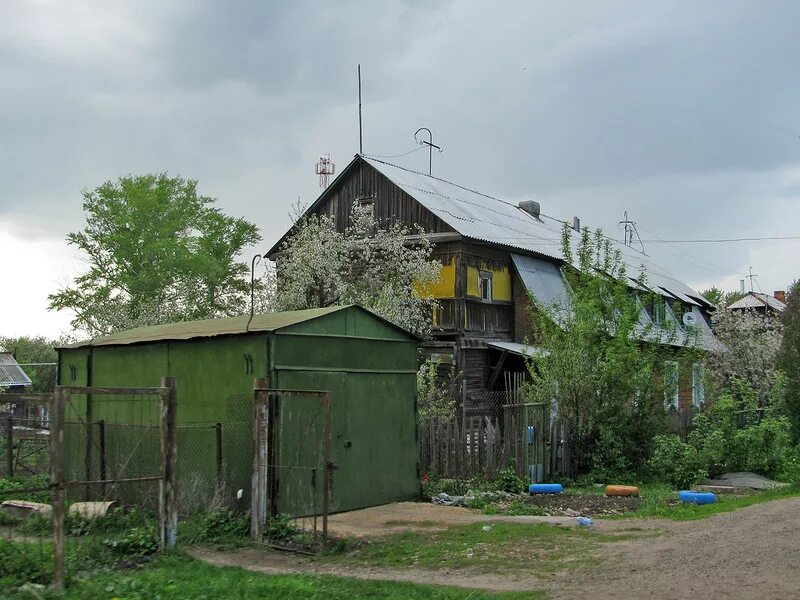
<point>157,252</point>
<point>595,361</point>
<point>722,299</point>
<point>38,355</point>
<point>789,356</point>
<point>368,263</point>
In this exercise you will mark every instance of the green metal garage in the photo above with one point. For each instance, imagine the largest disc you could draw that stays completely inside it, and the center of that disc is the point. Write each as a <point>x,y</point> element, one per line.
<point>366,363</point>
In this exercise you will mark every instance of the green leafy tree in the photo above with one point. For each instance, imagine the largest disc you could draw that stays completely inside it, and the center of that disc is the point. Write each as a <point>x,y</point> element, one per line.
<point>35,351</point>
<point>789,357</point>
<point>157,251</point>
<point>722,299</point>
<point>598,364</point>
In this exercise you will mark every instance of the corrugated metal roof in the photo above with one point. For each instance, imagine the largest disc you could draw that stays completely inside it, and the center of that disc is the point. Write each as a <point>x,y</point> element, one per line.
<point>11,374</point>
<point>543,279</point>
<point>188,330</point>
<point>486,218</point>
<point>756,300</point>
<point>515,348</point>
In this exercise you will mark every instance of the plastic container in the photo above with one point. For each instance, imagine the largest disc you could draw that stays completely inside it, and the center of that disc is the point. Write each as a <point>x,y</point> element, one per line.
<point>697,497</point>
<point>584,521</point>
<point>545,488</point>
<point>622,490</point>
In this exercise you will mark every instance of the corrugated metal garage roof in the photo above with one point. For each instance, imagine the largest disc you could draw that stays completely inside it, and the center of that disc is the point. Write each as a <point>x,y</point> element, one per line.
<point>486,218</point>
<point>188,330</point>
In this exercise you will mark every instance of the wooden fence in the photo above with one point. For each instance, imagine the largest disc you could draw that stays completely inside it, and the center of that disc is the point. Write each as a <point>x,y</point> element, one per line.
<point>480,445</point>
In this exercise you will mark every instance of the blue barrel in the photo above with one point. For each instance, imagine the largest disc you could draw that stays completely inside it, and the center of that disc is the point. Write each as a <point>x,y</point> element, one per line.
<point>697,497</point>
<point>545,488</point>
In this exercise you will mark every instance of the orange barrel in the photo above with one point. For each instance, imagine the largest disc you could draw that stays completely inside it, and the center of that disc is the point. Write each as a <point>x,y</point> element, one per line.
<point>622,490</point>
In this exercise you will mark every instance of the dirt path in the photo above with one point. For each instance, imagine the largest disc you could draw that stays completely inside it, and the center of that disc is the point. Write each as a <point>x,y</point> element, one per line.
<point>750,553</point>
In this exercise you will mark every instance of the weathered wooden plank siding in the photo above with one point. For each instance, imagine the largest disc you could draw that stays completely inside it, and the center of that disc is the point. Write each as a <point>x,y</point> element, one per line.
<point>391,203</point>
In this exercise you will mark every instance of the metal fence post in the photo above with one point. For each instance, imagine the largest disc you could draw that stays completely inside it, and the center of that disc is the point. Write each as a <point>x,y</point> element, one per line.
<point>168,513</point>
<point>10,447</point>
<point>101,432</point>
<point>57,476</point>
<point>218,440</point>
<point>258,504</point>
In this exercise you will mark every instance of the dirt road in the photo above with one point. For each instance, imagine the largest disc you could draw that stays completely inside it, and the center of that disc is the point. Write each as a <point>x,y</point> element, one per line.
<point>750,553</point>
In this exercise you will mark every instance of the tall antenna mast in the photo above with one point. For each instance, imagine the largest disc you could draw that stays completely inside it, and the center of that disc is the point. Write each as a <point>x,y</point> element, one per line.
<point>630,231</point>
<point>429,143</point>
<point>751,276</point>
<point>360,135</point>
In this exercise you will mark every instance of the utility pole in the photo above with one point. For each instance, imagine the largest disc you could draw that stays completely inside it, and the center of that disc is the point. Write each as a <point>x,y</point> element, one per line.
<point>429,143</point>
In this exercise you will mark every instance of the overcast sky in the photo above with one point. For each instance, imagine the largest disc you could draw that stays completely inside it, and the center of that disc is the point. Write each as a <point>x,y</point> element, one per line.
<point>687,115</point>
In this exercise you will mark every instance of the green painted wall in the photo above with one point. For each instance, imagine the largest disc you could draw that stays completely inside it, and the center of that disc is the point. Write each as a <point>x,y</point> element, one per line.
<point>372,383</point>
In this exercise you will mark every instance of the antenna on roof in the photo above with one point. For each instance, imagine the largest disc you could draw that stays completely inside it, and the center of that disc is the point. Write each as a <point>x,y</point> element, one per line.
<point>324,168</point>
<point>630,231</point>
<point>429,143</point>
<point>751,276</point>
<point>360,136</point>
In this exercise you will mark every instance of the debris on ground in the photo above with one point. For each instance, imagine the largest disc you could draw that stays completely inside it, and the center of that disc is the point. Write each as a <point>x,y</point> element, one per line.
<point>552,505</point>
<point>23,509</point>
<point>587,505</point>
<point>745,480</point>
<point>470,497</point>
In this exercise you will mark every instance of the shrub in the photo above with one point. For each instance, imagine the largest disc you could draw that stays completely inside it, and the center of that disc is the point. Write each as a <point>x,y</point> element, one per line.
<point>139,541</point>
<point>224,523</point>
<point>508,480</point>
<point>676,462</point>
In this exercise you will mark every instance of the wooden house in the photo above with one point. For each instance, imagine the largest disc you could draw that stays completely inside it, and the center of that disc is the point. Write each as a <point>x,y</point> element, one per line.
<point>495,256</point>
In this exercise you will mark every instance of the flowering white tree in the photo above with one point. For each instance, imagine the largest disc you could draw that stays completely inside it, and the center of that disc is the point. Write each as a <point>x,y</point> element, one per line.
<point>752,344</point>
<point>376,266</point>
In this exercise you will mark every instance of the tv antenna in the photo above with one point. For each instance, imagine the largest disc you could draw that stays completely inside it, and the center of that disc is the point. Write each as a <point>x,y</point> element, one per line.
<point>324,168</point>
<point>630,231</point>
<point>752,276</point>
<point>429,143</point>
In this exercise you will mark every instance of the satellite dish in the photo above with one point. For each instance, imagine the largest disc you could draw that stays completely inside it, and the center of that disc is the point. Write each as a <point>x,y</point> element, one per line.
<point>689,319</point>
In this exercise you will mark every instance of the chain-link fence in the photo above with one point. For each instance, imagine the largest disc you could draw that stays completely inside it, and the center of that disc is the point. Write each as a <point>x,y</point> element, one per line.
<point>492,430</point>
<point>292,467</point>
<point>24,435</point>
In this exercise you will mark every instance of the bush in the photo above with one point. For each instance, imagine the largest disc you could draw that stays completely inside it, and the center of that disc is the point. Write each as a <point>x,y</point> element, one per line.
<point>508,480</point>
<point>676,462</point>
<point>224,523</point>
<point>139,542</point>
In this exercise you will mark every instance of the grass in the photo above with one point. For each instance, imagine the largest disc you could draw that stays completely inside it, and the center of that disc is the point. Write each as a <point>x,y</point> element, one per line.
<point>176,576</point>
<point>660,501</point>
<point>539,549</point>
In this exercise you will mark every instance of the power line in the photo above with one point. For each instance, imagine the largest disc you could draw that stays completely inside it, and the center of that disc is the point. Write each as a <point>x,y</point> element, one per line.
<point>394,155</point>
<point>725,240</point>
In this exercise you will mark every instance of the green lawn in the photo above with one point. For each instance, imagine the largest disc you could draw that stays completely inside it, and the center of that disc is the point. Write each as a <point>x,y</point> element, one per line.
<point>662,502</point>
<point>179,577</point>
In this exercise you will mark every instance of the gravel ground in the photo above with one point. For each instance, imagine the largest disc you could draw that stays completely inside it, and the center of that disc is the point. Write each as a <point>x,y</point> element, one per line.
<point>753,552</point>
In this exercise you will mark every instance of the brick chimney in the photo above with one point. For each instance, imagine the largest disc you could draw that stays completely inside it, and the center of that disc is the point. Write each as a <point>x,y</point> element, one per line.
<point>780,295</point>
